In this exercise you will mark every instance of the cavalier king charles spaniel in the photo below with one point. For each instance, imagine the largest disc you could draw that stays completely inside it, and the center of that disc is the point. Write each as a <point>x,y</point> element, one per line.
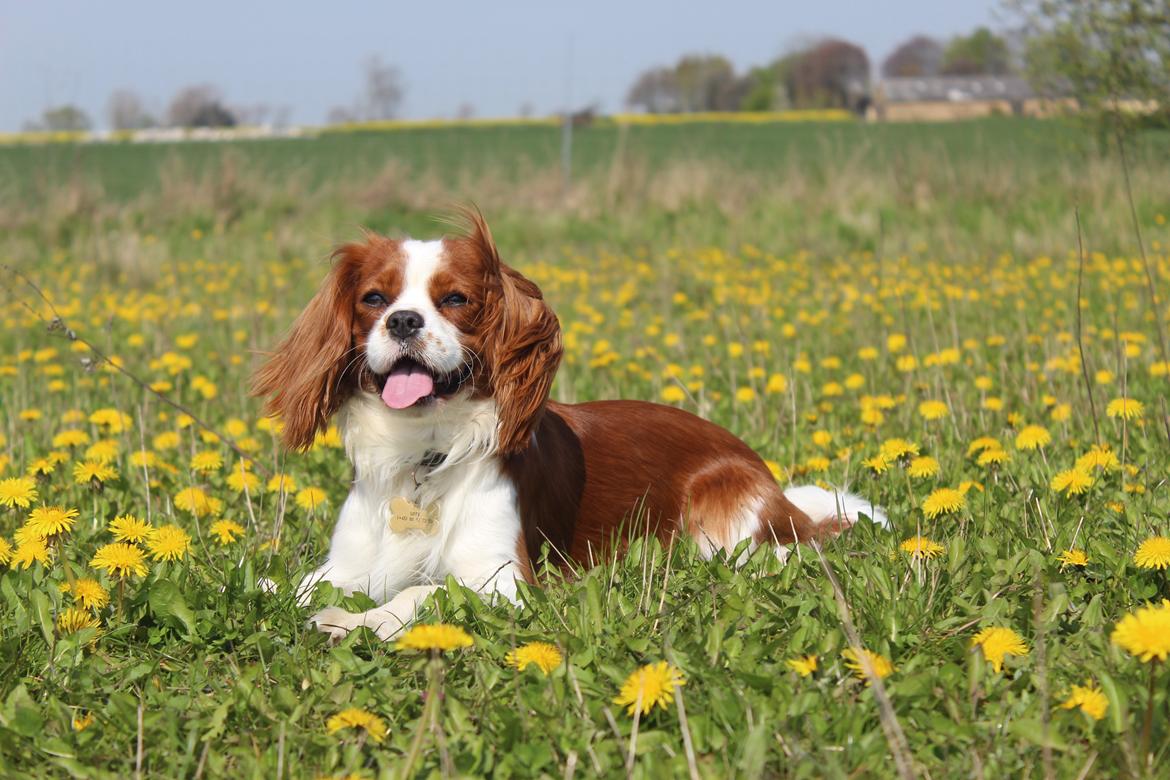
<point>437,359</point>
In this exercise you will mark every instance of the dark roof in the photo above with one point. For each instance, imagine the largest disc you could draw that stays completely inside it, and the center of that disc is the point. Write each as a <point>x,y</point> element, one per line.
<point>955,89</point>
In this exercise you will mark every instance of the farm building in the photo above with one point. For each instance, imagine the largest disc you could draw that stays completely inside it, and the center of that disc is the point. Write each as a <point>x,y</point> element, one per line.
<point>945,98</point>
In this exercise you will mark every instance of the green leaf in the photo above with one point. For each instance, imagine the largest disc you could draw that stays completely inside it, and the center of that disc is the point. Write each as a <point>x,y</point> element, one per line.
<point>167,601</point>
<point>1032,730</point>
<point>1118,713</point>
<point>42,612</point>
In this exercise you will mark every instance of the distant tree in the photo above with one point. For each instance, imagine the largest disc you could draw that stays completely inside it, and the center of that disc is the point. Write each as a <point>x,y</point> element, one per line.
<point>918,56</point>
<point>1103,52</point>
<point>832,73</point>
<point>66,117</point>
<point>384,90</point>
<point>697,82</point>
<point>340,115</point>
<point>125,111</point>
<point>465,110</point>
<point>765,88</point>
<point>525,110</point>
<point>199,106</point>
<point>982,53</point>
<point>655,91</point>
<point>706,82</point>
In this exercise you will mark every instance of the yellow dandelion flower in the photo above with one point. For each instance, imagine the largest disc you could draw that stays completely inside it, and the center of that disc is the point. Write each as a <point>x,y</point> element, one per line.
<point>354,718</point>
<point>103,451</point>
<point>197,502</point>
<point>31,551</point>
<point>72,620</point>
<point>1153,553</point>
<point>983,443</point>
<point>1145,633</point>
<point>919,547</point>
<point>923,467</point>
<point>5,551</point>
<point>207,461</point>
<point>993,457</point>
<point>226,531</point>
<point>1089,699</point>
<point>40,467</point>
<point>330,437</point>
<point>93,473</point>
<point>120,559</point>
<point>1099,458</point>
<point>128,528</point>
<point>803,665</point>
<point>997,642</point>
<point>651,685</point>
<point>933,410</point>
<point>1073,482</point>
<point>241,480</point>
<point>168,440</point>
<point>878,464</point>
<point>880,666</point>
<point>310,498</point>
<point>169,543</point>
<point>543,655</point>
<point>50,521</point>
<point>434,636</point>
<point>82,722</point>
<point>1073,557</point>
<point>18,492</point>
<point>70,437</point>
<point>144,458</point>
<point>942,502</point>
<point>894,449</point>
<point>282,482</point>
<point>1125,408</point>
<point>1033,437</point>
<point>90,594</point>
<point>673,394</point>
<point>112,419</point>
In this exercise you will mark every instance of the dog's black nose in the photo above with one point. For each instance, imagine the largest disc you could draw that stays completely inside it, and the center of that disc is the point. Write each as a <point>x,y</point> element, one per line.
<point>404,324</point>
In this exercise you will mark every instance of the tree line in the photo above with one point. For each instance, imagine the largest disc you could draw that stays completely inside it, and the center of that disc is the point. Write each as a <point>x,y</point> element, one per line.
<point>1110,55</point>
<point>203,105</point>
<point>825,73</point>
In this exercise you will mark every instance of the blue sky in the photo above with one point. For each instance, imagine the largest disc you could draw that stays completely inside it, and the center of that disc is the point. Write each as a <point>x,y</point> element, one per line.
<point>495,56</point>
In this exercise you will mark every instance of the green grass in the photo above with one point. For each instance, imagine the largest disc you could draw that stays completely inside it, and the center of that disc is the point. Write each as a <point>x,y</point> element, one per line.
<point>965,247</point>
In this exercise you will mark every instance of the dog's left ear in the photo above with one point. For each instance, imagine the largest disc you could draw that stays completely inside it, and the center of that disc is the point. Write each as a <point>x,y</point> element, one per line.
<point>522,347</point>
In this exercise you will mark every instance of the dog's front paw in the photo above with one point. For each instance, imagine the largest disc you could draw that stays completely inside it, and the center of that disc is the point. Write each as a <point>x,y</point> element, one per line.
<point>335,622</point>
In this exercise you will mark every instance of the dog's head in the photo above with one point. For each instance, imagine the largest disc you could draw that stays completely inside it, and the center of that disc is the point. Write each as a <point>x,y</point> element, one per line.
<point>417,323</point>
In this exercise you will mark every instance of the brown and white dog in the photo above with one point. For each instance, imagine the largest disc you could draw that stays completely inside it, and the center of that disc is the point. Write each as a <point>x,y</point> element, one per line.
<point>438,359</point>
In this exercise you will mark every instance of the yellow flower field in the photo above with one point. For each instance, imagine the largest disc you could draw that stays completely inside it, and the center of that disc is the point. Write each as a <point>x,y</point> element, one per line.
<point>1015,604</point>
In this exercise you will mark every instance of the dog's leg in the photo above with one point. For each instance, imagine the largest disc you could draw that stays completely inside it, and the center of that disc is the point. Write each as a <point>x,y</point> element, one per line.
<point>392,617</point>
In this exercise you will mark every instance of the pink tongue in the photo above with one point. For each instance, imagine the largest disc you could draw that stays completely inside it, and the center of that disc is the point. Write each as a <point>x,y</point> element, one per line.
<point>404,387</point>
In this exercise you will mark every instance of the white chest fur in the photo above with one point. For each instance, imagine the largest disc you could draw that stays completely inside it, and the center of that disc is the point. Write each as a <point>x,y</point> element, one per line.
<point>475,538</point>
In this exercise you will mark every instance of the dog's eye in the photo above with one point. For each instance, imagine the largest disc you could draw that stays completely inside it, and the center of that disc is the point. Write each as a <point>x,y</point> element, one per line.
<point>374,299</point>
<point>454,299</point>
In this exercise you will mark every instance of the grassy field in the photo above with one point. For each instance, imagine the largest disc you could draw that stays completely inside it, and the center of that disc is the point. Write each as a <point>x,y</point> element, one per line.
<point>891,307</point>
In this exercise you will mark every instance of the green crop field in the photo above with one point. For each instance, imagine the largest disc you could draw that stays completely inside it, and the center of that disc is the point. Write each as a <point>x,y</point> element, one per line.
<point>890,307</point>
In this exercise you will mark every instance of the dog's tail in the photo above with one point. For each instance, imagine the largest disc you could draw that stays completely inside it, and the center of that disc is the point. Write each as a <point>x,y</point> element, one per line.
<point>834,505</point>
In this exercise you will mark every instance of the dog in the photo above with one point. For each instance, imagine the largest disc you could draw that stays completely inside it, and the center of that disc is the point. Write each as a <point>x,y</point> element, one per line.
<point>438,359</point>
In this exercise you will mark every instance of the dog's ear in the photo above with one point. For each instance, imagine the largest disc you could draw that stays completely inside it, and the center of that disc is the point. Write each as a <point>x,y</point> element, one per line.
<point>523,360</point>
<point>305,380</point>
<point>522,343</point>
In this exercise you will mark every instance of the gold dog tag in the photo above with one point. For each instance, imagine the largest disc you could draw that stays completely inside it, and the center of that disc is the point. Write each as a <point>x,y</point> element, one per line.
<point>408,516</point>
